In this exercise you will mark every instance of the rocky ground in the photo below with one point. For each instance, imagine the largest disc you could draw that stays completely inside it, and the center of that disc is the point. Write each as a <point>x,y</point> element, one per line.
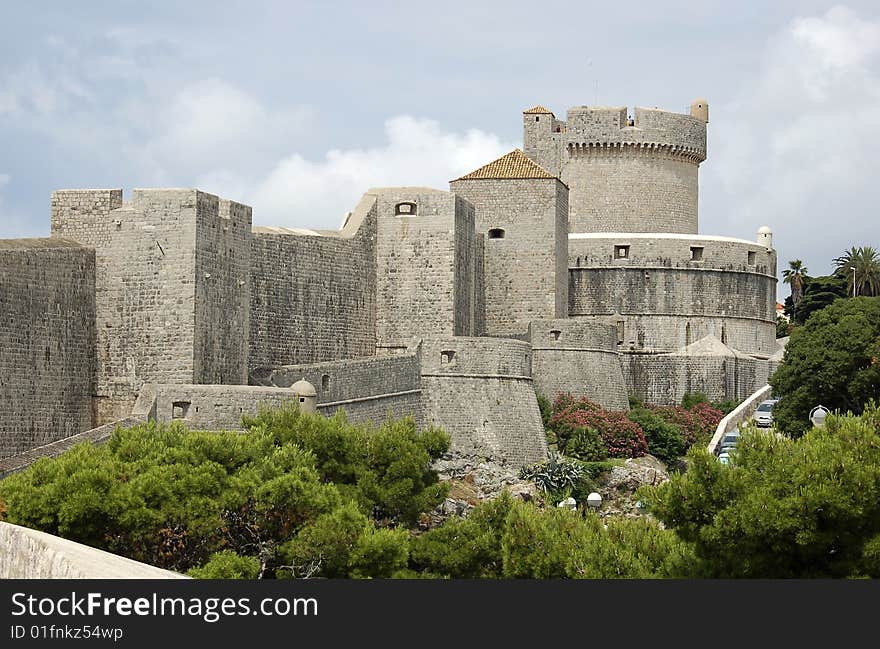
<point>475,479</point>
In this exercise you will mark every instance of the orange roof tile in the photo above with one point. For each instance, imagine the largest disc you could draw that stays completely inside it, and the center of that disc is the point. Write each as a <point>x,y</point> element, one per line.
<point>537,110</point>
<point>514,165</point>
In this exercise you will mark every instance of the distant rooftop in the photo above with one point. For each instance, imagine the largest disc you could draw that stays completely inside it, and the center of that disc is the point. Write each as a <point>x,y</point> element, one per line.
<point>514,165</point>
<point>538,110</point>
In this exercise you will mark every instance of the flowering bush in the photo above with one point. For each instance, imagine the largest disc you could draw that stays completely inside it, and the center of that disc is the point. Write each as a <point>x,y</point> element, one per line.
<point>697,424</point>
<point>622,437</point>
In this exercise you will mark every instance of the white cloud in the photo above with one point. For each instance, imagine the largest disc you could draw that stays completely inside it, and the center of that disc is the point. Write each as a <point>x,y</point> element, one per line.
<point>796,150</point>
<point>416,152</point>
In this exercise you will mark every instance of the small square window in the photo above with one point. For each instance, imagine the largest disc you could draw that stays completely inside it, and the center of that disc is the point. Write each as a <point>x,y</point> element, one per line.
<point>555,334</point>
<point>621,252</point>
<point>752,257</point>
<point>446,357</point>
<point>696,253</point>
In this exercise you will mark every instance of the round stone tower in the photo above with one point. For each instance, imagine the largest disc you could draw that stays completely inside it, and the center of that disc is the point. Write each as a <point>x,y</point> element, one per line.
<point>626,172</point>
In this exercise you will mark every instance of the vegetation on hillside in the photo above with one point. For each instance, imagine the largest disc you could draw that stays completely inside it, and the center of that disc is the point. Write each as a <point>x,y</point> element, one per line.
<point>832,360</point>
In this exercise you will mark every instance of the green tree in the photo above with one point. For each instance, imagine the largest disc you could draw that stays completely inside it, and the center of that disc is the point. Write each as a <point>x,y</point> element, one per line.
<point>784,508</point>
<point>819,292</point>
<point>831,360</point>
<point>297,493</point>
<point>861,269</point>
<point>794,276</point>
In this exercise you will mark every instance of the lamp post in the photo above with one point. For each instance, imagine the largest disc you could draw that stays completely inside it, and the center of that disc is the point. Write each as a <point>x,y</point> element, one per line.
<point>594,500</point>
<point>853,269</point>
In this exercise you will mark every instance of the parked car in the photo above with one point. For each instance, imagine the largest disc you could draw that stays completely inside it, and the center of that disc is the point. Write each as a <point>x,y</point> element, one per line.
<point>764,413</point>
<point>728,441</point>
<point>724,458</point>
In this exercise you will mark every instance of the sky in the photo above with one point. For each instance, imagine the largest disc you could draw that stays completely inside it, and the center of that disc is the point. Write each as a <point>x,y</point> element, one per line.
<point>297,108</point>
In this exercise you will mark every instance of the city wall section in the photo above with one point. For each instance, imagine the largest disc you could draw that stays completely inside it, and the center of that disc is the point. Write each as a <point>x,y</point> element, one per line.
<point>47,301</point>
<point>524,225</point>
<point>368,389</point>
<point>666,291</point>
<point>578,357</point>
<point>480,391</point>
<point>428,278</point>
<point>171,273</point>
<point>313,294</point>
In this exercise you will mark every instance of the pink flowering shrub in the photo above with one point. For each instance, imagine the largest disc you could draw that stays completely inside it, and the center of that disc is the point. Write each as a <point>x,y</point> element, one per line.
<point>622,437</point>
<point>697,424</point>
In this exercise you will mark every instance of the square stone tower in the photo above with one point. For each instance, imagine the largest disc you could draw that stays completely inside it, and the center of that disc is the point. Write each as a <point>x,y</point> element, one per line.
<point>172,300</point>
<point>522,210</point>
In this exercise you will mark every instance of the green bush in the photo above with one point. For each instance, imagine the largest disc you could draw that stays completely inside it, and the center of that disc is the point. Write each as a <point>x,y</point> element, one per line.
<point>227,565</point>
<point>586,444</point>
<point>831,360</point>
<point>664,439</point>
<point>297,487</point>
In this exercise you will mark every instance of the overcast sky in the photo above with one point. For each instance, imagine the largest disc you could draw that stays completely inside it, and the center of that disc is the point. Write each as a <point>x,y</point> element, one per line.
<point>296,108</point>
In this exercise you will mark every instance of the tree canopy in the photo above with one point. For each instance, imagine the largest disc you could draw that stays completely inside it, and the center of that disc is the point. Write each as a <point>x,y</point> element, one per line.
<point>785,507</point>
<point>832,360</point>
<point>297,495</point>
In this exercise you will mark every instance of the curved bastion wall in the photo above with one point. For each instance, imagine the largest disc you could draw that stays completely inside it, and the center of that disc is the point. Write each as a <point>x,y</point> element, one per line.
<point>579,357</point>
<point>480,391</point>
<point>666,291</point>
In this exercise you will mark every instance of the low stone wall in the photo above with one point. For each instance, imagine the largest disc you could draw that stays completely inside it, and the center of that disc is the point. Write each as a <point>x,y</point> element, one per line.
<point>207,407</point>
<point>367,389</point>
<point>742,413</point>
<point>97,435</point>
<point>29,554</point>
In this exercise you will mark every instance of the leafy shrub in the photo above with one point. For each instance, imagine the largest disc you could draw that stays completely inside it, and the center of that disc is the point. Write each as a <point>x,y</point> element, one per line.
<point>664,439</point>
<point>297,486</point>
<point>792,508</point>
<point>468,548</point>
<point>586,444</point>
<point>691,399</point>
<point>691,427</point>
<point>386,470</point>
<point>546,409</point>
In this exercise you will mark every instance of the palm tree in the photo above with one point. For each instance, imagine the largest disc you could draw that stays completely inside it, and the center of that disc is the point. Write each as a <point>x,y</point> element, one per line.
<point>866,275</point>
<point>795,276</point>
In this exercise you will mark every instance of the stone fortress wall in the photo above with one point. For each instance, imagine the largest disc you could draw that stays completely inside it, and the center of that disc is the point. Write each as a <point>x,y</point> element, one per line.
<point>47,329</point>
<point>480,391</point>
<point>573,266</point>
<point>169,303</point>
<point>367,389</point>
<point>313,294</point>
<point>580,357</point>
<point>666,291</point>
<point>426,260</point>
<point>525,222</point>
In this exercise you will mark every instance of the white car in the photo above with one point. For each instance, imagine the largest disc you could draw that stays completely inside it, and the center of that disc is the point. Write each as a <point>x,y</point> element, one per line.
<point>764,413</point>
<point>724,458</point>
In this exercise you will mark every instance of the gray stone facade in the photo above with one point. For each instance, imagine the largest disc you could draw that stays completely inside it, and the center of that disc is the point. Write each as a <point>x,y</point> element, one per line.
<point>572,266</point>
<point>47,329</point>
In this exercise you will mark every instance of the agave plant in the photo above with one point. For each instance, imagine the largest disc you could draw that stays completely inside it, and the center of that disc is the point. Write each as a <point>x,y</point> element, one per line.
<point>555,473</point>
